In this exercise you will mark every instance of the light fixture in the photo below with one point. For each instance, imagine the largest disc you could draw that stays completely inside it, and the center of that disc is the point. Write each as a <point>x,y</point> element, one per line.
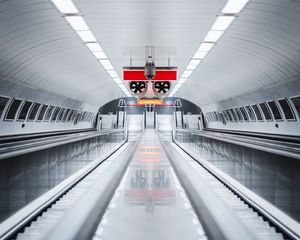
<point>94,47</point>
<point>182,80</point>
<point>199,55</point>
<point>106,64</point>
<point>186,73</point>
<point>234,6</point>
<point>193,64</point>
<point>213,36</point>
<point>205,47</point>
<point>77,23</point>
<point>86,36</point>
<point>222,23</point>
<point>100,55</point>
<point>112,73</point>
<point>65,6</point>
<point>118,80</point>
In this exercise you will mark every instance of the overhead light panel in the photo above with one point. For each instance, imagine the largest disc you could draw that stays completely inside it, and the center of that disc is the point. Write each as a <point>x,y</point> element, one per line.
<point>77,23</point>
<point>193,64</point>
<point>234,6</point>
<point>86,36</point>
<point>100,55</point>
<point>199,55</point>
<point>205,47</point>
<point>113,73</point>
<point>65,6</point>
<point>94,47</point>
<point>187,73</point>
<point>222,23</point>
<point>106,64</point>
<point>213,36</point>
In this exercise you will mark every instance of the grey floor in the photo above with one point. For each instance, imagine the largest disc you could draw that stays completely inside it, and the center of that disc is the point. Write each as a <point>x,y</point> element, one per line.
<point>150,203</point>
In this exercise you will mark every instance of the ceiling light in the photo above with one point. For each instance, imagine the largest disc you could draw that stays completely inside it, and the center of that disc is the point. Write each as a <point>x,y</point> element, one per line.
<point>65,6</point>
<point>182,80</point>
<point>193,64</point>
<point>113,73</point>
<point>77,23</point>
<point>100,55</point>
<point>222,23</point>
<point>186,73</point>
<point>234,6</point>
<point>118,80</point>
<point>106,64</point>
<point>94,47</point>
<point>213,36</point>
<point>199,55</point>
<point>205,47</point>
<point>86,36</point>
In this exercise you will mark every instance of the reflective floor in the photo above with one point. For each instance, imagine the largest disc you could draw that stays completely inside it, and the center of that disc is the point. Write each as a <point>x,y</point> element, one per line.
<point>273,177</point>
<point>149,203</point>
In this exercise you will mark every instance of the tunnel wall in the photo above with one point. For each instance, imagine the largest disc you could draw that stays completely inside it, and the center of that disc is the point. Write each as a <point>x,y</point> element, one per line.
<point>282,104</point>
<point>19,103</point>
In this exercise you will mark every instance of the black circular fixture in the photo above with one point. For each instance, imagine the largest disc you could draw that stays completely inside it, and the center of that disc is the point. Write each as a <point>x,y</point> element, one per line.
<point>161,87</point>
<point>138,87</point>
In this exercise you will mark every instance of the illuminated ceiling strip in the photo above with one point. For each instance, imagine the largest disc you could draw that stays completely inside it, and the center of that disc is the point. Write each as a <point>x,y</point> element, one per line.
<point>228,15</point>
<point>77,22</point>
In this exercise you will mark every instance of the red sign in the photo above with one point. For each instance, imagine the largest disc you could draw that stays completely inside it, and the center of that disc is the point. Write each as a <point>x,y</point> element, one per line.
<point>139,75</point>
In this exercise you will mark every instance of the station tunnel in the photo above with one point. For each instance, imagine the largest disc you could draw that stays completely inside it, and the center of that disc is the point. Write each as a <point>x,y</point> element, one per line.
<point>156,119</point>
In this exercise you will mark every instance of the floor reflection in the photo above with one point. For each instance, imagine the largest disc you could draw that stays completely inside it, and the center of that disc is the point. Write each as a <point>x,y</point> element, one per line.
<point>149,203</point>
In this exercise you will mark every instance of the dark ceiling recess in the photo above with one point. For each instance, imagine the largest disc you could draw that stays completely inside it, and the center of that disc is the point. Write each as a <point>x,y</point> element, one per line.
<point>112,107</point>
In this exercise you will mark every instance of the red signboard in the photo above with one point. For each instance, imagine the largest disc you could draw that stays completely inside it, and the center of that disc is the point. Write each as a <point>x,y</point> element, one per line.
<point>139,75</point>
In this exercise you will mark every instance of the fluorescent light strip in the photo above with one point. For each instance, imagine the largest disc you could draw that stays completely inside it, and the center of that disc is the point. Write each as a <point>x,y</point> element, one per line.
<point>199,55</point>
<point>205,47</point>
<point>77,23</point>
<point>81,28</point>
<point>86,36</point>
<point>65,6</point>
<point>99,55</point>
<point>220,25</point>
<point>234,6</point>
<point>213,36</point>
<point>94,47</point>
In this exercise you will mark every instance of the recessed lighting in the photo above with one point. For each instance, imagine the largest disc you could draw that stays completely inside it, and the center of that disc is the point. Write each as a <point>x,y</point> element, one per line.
<point>222,23</point>
<point>100,55</point>
<point>77,23</point>
<point>186,73</point>
<point>113,73</point>
<point>205,47</point>
<point>94,47</point>
<point>118,80</point>
<point>193,64</point>
<point>86,36</point>
<point>234,6</point>
<point>65,6</point>
<point>182,80</point>
<point>213,36</point>
<point>199,55</point>
<point>106,64</point>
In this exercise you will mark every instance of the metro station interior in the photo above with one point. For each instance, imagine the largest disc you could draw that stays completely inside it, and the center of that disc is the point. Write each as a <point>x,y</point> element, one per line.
<point>156,119</point>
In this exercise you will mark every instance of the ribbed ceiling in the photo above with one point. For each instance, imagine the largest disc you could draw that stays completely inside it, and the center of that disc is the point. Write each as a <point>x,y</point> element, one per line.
<point>260,49</point>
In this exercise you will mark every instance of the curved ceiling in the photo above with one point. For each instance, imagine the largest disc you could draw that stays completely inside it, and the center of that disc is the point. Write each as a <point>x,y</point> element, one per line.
<point>260,49</point>
<point>39,49</point>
